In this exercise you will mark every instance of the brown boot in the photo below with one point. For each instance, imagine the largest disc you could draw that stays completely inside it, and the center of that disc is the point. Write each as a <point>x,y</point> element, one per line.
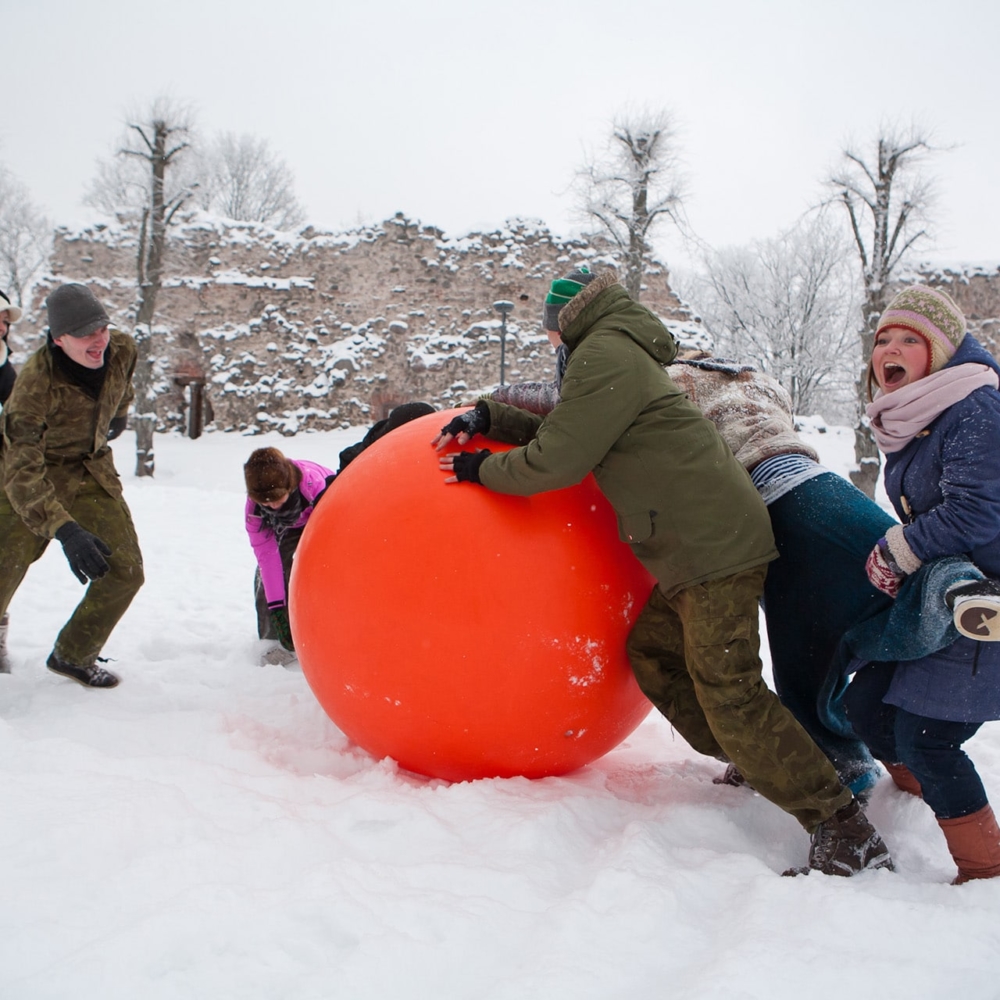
<point>974,842</point>
<point>903,778</point>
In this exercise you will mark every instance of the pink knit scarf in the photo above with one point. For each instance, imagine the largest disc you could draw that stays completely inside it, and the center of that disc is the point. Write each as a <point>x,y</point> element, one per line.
<point>898,417</point>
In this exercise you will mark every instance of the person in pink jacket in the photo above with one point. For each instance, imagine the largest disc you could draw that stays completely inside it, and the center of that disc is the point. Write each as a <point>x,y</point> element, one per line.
<point>281,494</point>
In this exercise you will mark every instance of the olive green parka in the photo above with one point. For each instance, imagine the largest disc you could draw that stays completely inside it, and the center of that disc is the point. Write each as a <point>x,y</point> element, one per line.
<point>53,434</point>
<point>685,505</point>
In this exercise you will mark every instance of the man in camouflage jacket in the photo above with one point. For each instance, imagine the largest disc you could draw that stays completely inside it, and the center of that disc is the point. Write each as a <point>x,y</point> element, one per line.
<point>58,478</point>
<point>692,516</point>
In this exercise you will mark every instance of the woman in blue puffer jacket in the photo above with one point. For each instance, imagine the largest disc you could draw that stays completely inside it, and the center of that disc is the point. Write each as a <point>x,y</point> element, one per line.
<point>936,415</point>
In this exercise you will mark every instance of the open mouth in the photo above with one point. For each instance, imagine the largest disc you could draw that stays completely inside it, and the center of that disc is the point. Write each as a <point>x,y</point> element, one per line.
<point>892,374</point>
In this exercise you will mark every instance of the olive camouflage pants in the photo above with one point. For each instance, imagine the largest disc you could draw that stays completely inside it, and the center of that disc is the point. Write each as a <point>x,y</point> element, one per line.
<point>105,600</point>
<point>696,657</point>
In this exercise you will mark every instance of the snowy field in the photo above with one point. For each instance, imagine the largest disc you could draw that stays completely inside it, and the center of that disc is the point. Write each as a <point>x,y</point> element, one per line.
<point>204,831</point>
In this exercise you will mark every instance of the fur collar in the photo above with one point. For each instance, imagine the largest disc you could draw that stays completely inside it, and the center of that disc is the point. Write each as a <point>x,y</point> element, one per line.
<point>582,299</point>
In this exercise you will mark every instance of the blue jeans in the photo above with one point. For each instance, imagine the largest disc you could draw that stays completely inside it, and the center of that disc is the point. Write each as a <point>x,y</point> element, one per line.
<point>930,748</point>
<point>824,530</point>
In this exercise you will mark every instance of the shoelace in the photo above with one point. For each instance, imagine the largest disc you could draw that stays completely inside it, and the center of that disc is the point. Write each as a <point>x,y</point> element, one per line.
<point>823,845</point>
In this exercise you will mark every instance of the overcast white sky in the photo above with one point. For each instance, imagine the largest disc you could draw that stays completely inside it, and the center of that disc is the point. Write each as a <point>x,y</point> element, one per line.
<point>463,114</point>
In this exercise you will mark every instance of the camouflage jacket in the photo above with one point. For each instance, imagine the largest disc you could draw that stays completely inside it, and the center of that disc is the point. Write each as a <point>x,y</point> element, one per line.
<point>53,434</point>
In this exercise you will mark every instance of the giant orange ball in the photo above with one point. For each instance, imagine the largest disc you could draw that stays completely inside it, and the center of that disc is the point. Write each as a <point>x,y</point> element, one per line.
<point>464,633</point>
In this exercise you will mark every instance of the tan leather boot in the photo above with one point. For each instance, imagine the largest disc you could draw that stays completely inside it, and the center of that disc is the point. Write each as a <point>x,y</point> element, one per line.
<point>903,778</point>
<point>974,842</point>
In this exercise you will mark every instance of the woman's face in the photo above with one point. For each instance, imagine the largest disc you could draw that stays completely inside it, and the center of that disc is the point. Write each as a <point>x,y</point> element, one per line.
<point>899,358</point>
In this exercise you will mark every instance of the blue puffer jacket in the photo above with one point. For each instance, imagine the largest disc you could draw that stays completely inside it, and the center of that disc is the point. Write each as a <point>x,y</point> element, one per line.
<point>950,478</point>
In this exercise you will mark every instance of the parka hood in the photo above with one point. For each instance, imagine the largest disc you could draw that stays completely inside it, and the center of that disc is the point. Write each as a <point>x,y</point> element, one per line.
<point>970,351</point>
<point>606,299</point>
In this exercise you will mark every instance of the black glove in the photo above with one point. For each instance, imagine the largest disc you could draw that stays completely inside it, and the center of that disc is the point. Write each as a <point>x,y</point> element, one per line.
<point>117,425</point>
<point>84,551</point>
<point>472,422</point>
<point>467,465</point>
<point>279,618</point>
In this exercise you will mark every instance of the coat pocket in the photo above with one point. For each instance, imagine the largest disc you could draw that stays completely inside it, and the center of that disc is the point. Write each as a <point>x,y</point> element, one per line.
<point>635,528</point>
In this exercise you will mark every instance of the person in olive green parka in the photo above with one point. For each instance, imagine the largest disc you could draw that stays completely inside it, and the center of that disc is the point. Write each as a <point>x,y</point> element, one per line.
<point>58,476</point>
<point>692,516</point>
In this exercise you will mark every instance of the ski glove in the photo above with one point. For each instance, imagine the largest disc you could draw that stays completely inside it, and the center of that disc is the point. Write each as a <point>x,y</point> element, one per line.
<point>472,422</point>
<point>882,570</point>
<point>84,551</point>
<point>467,465</point>
<point>279,618</point>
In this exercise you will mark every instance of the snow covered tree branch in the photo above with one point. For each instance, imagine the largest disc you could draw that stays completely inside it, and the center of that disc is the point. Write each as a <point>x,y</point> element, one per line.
<point>243,178</point>
<point>25,238</point>
<point>886,199</point>
<point>787,304</point>
<point>632,186</point>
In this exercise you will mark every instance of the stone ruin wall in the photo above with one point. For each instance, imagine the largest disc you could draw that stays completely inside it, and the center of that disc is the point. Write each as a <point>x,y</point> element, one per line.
<point>318,330</point>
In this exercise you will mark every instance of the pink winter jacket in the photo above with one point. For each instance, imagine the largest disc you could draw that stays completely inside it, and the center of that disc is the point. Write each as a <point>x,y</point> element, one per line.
<point>265,544</point>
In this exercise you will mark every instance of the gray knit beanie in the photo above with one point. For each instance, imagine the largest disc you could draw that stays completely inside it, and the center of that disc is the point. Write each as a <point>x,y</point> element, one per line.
<point>74,309</point>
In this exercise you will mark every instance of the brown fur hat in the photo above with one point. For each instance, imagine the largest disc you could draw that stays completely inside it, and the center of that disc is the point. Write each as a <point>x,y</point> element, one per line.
<point>269,475</point>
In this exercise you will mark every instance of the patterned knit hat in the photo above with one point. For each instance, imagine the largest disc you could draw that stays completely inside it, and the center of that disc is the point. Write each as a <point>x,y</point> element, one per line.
<point>932,314</point>
<point>269,475</point>
<point>74,309</point>
<point>561,291</point>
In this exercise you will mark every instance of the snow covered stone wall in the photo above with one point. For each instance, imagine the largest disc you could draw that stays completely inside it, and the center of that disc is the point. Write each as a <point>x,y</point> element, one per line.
<point>291,331</point>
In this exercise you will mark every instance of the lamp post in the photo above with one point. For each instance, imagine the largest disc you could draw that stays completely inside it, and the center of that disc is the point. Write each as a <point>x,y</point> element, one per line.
<point>503,307</point>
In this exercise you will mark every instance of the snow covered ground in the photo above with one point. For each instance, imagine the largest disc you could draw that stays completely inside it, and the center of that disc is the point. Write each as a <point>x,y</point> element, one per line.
<point>205,831</point>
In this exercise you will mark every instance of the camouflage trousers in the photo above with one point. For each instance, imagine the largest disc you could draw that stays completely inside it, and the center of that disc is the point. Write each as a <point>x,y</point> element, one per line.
<point>105,600</point>
<point>696,657</point>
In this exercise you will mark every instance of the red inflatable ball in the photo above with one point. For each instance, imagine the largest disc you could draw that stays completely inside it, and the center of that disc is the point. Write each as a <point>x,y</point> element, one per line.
<point>464,633</point>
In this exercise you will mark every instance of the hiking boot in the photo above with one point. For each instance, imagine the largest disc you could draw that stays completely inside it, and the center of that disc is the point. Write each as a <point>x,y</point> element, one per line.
<point>845,844</point>
<point>976,609</point>
<point>4,659</point>
<point>90,676</point>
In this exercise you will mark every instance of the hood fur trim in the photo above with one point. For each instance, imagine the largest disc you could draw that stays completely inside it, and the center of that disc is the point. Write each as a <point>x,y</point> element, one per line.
<point>583,298</point>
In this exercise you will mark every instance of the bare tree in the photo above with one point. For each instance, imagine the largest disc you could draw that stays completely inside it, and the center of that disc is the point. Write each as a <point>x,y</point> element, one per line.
<point>146,197</point>
<point>787,304</point>
<point>886,199</point>
<point>243,178</point>
<point>25,238</point>
<point>633,185</point>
